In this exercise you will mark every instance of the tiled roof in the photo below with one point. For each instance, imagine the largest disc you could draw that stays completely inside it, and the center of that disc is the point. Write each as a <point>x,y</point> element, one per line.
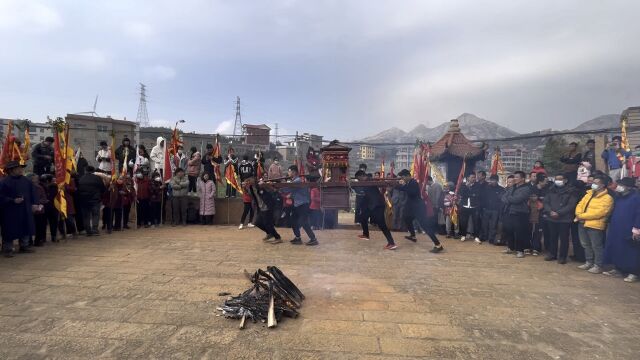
<point>454,143</point>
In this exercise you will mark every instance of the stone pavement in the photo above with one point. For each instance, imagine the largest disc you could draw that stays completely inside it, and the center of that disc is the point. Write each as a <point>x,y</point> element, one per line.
<point>152,293</point>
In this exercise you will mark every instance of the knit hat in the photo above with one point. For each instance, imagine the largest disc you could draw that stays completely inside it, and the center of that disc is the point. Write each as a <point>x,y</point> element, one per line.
<point>627,182</point>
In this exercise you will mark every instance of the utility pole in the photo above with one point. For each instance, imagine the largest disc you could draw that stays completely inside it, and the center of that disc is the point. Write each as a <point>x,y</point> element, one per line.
<point>143,117</point>
<point>237,126</point>
<point>276,142</point>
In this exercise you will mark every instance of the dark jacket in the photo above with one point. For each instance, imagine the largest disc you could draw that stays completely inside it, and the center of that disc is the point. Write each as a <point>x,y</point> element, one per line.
<point>38,155</point>
<point>561,200</point>
<point>590,156</point>
<point>82,164</point>
<point>373,199</point>
<point>90,189</point>
<point>470,195</point>
<point>207,165</point>
<point>516,199</point>
<point>571,161</point>
<point>17,219</point>
<point>492,197</point>
<point>414,204</point>
<point>262,198</point>
<point>120,155</point>
<point>245,170</point>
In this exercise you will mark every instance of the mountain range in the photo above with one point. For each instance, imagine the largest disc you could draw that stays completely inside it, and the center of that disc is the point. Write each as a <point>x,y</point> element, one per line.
<point>474,128</point>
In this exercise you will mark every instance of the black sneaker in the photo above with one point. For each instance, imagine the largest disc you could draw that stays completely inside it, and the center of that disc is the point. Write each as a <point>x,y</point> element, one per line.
<point>26,251</point>
<point>296,241</point>
<point>8,254</point>
<point>411,238</point>
<point>562,261</point>
<point>436,249</point>
<point>549,258</point>
<point>268,237</point>
<point>313,242</point>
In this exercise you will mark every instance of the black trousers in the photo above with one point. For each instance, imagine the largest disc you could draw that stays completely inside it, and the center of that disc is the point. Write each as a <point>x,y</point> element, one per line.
<point>192,183</point>
<point>264,222</point>
<point>516,230</point>
<point>489,226</point>
<point>107,218</point>
<point>231,191</point>
<point>156,212</point>
<point>559,231</point>
<point>117,215</point>
<point>68,225</point>
<point>300,219</point>
<point>51,213</point>
<point>248,210</point>
<point>41,228</point>
<point>377,217</point>
<point>206,219</point>
<point>578,250</point>
<point>144,212</point>
<point>428,224</point>
<point>465,215</point>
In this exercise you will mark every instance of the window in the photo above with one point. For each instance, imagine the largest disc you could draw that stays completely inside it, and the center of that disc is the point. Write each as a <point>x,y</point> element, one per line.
<point>102,128</point>
<point>41,130</point>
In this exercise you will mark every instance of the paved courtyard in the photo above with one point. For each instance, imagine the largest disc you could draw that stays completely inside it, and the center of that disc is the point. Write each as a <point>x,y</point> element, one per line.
<point>152,293</point>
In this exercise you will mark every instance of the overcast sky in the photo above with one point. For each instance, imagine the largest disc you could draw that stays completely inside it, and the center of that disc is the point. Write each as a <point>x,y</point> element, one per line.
<point>344,69</point>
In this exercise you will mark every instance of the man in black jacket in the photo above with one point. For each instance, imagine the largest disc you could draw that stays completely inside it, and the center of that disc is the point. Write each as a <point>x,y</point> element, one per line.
<point>559,211</point>
<point>492,201</point>
<point>373,206</point>
<point>516,215</point>
<point>264,200</point>
<point>90,190</point>
<point>415,210</point>
<point>469,207</point>
<point>42,156</point>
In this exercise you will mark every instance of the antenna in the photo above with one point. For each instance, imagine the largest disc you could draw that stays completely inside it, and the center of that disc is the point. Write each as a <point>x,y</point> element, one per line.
<point>143,117</point>
<point>93,112</point>
<point>237,126</point>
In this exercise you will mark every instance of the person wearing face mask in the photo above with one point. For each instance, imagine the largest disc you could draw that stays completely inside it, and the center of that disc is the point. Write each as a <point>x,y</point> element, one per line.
<point>515,210</point>
<point>104,158</point>
<point>155,198</point>
<point>622,248</point>
<point>559,208</point>
<point>179,160</point>
<point>143,194</point>
<point>591,214</point>
<point>491,198</point>
<point>615,158</point>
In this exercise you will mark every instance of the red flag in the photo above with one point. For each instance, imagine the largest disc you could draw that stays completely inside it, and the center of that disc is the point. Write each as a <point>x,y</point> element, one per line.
<point>232,177</point>
<point>393,169</point>
<point>496,163</point>
<point>300,165</point>
<point>167,165</point>
<point>382,173</point>
<point>461,176</point>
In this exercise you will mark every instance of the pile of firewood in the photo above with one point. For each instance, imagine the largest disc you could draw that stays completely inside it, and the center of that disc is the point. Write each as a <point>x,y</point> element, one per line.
<point>271,297</point>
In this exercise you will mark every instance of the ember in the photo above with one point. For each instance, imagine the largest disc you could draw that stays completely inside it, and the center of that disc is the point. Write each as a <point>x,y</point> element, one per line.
<point>271,297</point>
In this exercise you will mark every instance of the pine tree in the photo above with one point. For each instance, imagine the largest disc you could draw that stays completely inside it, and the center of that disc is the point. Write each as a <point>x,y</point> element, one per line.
<point>553,150</point>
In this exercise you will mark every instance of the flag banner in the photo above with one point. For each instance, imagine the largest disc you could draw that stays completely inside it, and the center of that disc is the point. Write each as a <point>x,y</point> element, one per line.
<point>112,150</point>
<point>167,173</point>
<point>496,163</point>
<point>232,178</point>
<point>454,209</point>
<point>59,154</point>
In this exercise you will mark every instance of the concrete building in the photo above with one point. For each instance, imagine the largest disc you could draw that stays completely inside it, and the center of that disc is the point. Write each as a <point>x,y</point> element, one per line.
<point>404,157</point>
<point>37,131</point>
<point>515,159</point>
<point>366,152</point>
<point>86,133</point>
<point>315,141</point>
<point>257,135</point>
<point>632,115</point>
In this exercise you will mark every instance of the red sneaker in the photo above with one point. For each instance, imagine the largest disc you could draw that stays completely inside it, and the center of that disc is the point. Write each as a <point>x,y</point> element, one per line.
<point>363,237</point>
<point>390,247</point>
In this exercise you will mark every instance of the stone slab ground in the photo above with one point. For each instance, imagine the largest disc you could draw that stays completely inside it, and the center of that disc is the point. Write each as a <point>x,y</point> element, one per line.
<point>152,293</point>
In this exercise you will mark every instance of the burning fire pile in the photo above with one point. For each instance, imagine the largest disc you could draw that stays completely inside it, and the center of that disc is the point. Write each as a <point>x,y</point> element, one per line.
<point>271,297</point>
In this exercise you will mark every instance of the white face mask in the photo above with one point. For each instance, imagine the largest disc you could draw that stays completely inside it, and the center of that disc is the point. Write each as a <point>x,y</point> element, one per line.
<point>180,152</point>
<point>559,183</point>
<point>595,187</point>
<point>158,179</point>
<point>139,176</point>
<point>620,189</point>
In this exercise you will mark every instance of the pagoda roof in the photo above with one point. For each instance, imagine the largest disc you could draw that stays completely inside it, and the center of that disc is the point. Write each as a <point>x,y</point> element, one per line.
<point>455,144</point>
<point>335,146</point>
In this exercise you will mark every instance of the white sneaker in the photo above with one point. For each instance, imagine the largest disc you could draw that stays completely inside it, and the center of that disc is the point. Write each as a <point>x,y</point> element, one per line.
<point>520,254</point>
<point>535,253</point>
<point>613,272</point>
<point>585,266</point>
<point>477,240</point>
<point>463,238</point>
<point>250,225</point>
<point>595,269</point>
<point>241,227</point>
<point>631,278</point>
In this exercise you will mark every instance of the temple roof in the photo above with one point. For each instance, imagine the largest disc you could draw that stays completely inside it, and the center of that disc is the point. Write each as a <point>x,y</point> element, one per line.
<point>455,144</point>
<point>335,146</point>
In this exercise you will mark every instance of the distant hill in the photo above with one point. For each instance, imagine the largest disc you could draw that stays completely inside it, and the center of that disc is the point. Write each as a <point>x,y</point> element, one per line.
<point>601,122</point>
<point>471,126</point>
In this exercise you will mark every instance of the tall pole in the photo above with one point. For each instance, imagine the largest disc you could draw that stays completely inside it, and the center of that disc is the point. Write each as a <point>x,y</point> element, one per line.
<point>237,126</point>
